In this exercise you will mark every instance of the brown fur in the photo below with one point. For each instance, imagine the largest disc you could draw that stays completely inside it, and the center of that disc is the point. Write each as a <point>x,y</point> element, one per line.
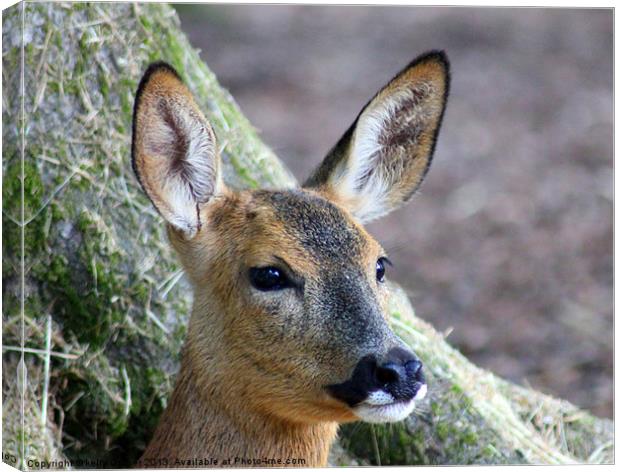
<point>256,364</point>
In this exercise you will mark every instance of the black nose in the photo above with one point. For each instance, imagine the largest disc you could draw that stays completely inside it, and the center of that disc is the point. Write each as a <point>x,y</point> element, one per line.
<point>400,374</point>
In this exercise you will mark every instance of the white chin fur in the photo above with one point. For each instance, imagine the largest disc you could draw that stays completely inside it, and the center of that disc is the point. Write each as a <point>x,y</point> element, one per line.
<point>384,413</point>
<point>421,393</point>
<point>380,407</point>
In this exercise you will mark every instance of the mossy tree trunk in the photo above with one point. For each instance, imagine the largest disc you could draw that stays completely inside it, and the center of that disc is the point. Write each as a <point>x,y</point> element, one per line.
<point>95,296</point>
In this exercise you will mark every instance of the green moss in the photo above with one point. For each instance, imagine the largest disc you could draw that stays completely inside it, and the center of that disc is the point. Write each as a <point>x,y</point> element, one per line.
<point>470,438</point>
<point>243,173</point>
<point>126,97</point>
<point>443,430</point>
<point>29,50</point>
<point>80,312</point>
<point>146,23</point>
<point>34,231</point>
<point>395,444</point>
<point>104,85</point>
<point>490,452</point>
<point>99,391</point>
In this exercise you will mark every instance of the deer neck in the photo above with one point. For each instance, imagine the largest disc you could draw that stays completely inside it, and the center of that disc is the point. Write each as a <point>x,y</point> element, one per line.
<point>203,428</point>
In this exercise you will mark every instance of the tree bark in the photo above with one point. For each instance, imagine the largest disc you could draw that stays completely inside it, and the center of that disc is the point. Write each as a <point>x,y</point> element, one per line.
<point>93,292</point>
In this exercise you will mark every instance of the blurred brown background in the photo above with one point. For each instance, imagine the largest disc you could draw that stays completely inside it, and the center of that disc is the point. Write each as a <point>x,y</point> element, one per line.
<point>509,242</point>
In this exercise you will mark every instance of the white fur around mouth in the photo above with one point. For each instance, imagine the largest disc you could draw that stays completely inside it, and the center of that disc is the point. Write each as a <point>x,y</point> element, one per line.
<point>381,407</point>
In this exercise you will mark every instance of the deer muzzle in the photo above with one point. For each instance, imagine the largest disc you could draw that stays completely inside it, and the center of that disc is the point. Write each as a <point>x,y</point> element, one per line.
<point>383,390</point>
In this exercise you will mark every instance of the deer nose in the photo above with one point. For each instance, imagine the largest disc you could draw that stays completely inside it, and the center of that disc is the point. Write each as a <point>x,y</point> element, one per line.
<point>400,373</point>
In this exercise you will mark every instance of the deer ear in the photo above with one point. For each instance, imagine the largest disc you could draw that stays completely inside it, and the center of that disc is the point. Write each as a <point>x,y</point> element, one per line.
<point>381,160</point>
<point>174,152</point>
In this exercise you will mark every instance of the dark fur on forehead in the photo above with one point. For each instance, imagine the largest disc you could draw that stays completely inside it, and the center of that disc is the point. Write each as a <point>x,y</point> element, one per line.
<point>322,228</point>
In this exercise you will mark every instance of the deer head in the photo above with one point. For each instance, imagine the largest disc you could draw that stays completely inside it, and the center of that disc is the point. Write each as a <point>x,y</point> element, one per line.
<point>290,297</point>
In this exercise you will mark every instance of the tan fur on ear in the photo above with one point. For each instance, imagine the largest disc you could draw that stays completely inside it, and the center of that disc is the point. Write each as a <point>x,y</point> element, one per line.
<point>381,160</point>
<point>174,151</point>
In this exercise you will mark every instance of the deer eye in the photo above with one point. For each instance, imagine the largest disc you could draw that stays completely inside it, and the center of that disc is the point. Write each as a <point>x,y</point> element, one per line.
<point>268,278</point>
<point>381,268</point>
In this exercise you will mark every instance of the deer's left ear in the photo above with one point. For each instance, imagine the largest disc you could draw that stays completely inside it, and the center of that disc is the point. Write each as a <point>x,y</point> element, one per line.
<point>381,160</point>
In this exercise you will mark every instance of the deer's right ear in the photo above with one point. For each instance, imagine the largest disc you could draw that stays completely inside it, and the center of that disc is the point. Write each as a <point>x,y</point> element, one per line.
<point>174,153</point>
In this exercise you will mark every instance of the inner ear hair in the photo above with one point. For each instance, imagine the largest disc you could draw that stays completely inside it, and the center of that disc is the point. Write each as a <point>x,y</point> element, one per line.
<point>396,134</point>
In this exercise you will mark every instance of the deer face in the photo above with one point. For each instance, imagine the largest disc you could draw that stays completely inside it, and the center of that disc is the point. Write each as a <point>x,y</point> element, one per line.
<point>289,287</point>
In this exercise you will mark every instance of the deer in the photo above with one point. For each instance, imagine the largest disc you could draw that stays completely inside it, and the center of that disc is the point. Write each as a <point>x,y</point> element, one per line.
<point>289,333</point>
